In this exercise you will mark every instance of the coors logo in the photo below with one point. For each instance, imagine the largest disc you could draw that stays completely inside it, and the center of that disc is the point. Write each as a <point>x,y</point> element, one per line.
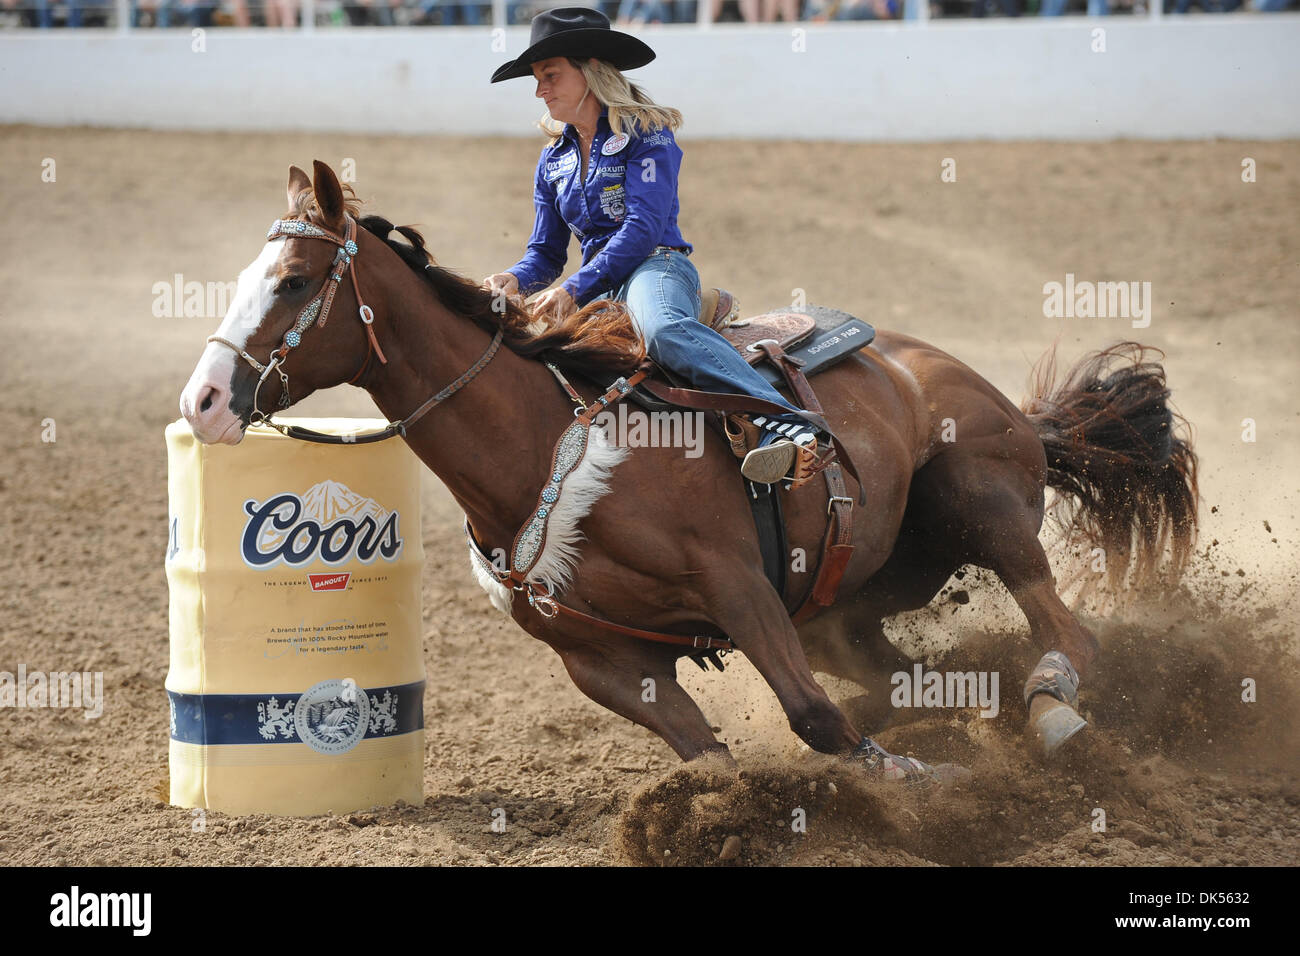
<point>330,522</point>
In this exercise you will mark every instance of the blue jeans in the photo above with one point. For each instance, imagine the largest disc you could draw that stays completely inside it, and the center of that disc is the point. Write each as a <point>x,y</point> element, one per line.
<point>663,294</point>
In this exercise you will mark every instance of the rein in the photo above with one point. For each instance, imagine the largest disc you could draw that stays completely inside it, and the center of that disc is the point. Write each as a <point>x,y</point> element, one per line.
<point>316,312</point>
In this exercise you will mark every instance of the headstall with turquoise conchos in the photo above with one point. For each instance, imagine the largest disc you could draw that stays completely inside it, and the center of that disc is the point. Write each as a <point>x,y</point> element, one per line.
<point>314,312</point>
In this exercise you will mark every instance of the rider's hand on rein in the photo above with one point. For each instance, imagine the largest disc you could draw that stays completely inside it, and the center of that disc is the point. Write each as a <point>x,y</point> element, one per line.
<point>553,305</point>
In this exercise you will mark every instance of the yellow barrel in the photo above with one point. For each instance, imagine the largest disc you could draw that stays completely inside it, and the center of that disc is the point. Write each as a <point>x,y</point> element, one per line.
<point>296,683</point>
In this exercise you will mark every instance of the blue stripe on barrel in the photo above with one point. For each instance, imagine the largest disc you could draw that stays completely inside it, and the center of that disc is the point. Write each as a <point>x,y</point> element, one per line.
<point>214,719</point>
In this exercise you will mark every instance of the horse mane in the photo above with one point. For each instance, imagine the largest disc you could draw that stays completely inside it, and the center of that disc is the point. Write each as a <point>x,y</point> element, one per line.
<point>598,339</point>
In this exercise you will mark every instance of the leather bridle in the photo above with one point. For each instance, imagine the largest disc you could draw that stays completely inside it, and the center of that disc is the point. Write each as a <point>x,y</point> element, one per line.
<point>316,312</point>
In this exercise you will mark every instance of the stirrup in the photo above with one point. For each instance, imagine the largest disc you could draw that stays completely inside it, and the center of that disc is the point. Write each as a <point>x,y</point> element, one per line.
<point>769,464</point>
<point>786,459</point>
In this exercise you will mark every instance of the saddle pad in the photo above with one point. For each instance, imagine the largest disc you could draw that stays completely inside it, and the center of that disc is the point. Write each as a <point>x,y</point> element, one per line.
<point>831,336</point>
<point>836,336</point>
<point>789,328</point>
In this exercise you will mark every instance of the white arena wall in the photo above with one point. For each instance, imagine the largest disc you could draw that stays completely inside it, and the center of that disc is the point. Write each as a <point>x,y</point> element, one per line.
<point>1163,78</point>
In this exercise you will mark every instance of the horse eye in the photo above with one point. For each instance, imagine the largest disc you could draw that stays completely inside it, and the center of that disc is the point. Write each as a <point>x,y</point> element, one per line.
<point>292,284</point>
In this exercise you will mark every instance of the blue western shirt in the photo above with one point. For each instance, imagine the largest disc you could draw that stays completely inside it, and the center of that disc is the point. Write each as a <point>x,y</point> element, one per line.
<point>627,206</point>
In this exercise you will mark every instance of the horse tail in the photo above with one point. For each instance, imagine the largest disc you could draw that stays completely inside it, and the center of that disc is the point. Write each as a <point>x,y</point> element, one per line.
<point>1117,457</point>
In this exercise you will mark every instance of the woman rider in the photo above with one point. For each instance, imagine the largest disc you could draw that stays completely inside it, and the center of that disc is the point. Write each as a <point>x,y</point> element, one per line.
<point>610,176</point>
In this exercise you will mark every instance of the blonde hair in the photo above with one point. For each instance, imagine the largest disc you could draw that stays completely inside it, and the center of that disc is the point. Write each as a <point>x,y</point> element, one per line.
<point>630,108</point>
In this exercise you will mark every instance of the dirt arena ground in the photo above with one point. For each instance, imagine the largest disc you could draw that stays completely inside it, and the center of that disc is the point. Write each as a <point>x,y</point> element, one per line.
<point>1186,771</point>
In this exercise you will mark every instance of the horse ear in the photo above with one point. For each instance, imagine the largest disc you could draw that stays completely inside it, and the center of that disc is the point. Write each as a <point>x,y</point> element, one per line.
<point>329,194</point>
<point>298,181</point>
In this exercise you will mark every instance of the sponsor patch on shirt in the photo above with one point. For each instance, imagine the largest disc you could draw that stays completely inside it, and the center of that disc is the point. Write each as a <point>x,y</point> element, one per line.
<point>614,144</point>
<point>613,201</point>
<point>607,171</point>
<point>557,168</point>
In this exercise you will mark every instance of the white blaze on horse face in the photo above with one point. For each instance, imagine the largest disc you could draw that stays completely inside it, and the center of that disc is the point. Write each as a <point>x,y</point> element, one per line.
<point>205,401</point>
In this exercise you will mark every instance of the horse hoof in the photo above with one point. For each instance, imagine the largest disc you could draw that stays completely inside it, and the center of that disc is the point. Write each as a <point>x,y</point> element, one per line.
<point>909,771</point>
<point>922,776</point>
<point>1054,724</point>
<point>950,773</point>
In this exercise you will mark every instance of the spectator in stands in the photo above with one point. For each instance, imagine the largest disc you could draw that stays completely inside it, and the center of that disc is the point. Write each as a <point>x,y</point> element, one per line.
<point>100,11</point>
<point>1209,6</point>
<point>1056,8</point>
<point>280,13</point>
<point>31,14</point>
<point>788,9</point>
<point>370,13</point>
<point>468,14</point>
<point>471,12</point>
<point>643,11</point>
<point>995,8</point>
<point>747,11</point>
<point>175,13</point>
<point>820,11</point>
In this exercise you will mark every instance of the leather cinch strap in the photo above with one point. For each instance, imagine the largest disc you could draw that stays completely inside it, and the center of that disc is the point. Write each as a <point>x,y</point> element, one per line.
<point>837,544</point>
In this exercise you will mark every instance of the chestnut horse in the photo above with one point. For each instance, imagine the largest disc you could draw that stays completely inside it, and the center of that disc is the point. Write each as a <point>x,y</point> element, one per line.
<point>953,473</point>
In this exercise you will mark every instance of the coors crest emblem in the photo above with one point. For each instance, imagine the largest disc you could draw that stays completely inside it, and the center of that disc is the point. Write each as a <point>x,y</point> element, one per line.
<point>332,716</point>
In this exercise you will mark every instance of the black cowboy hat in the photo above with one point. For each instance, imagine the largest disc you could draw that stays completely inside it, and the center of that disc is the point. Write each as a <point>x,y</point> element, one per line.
<point>577,32</point>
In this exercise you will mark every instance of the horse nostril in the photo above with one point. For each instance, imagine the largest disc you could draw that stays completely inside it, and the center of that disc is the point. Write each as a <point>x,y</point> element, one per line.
<point>205,402</point>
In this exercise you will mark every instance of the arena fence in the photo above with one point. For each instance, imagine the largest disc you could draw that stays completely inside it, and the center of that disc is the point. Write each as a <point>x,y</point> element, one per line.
<point>1069,78</point>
